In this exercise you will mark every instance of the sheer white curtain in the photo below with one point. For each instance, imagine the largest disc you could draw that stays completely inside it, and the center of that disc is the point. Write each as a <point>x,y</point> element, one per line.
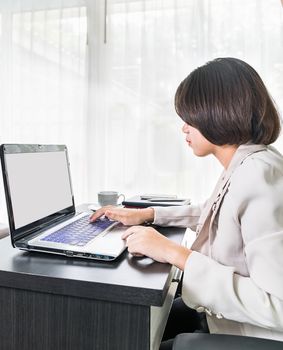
<point>148,47</point>
<point>43,79</point>
<point>111,101</point>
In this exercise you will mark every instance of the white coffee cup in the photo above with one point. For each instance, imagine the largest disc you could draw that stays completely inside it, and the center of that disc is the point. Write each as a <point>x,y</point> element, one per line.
<point>109,198</point>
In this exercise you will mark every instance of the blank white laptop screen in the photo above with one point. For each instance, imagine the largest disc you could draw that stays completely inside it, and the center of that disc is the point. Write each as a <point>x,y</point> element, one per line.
<point>39,185</point>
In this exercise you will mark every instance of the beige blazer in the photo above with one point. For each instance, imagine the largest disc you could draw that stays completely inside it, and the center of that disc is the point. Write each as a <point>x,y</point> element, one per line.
<point>235,273</point>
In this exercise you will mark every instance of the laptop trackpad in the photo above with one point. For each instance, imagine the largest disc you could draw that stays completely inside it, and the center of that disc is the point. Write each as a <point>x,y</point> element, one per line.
<point>110,242</point>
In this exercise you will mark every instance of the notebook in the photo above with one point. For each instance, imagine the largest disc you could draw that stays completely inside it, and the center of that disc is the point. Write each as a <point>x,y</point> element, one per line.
<point>145,201</point>
<point>41,206</point>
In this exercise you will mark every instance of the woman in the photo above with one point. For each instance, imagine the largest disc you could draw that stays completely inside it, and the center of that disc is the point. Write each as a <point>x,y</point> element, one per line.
<point>234,269</point>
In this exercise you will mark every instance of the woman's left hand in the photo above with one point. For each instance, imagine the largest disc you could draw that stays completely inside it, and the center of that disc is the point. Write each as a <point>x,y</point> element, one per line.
<point>142,240</point>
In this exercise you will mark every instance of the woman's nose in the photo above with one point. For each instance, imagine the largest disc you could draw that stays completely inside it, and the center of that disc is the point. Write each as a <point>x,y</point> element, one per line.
<point>185,128</point>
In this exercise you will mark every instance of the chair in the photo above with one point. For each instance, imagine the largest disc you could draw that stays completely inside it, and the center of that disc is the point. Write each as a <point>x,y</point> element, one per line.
<point>204,341</point>
<point>4,230</point>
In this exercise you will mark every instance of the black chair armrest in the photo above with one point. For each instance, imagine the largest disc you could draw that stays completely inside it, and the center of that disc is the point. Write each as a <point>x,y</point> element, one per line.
<point>201,341</point>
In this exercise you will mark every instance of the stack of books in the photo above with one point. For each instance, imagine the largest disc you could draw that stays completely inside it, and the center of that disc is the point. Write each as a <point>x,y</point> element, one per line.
<point>150,200</point>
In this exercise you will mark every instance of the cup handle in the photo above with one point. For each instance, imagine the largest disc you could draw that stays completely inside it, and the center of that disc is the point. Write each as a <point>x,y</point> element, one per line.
<point>123,198</point>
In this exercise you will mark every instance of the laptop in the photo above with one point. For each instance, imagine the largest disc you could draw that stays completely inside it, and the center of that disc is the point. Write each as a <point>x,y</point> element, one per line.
<point>41,207</point>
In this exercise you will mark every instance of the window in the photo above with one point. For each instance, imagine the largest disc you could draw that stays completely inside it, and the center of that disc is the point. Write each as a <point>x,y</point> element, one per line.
<point>43,80</point>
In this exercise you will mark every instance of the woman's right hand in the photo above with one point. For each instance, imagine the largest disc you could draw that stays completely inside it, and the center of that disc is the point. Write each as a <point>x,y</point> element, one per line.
<point>124,215</point>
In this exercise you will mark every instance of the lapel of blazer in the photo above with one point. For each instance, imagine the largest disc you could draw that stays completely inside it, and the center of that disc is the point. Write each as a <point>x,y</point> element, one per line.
<point>213,204</point>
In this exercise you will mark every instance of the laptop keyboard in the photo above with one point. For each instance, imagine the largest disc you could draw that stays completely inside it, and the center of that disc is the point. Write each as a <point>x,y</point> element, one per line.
<point>80,232</point>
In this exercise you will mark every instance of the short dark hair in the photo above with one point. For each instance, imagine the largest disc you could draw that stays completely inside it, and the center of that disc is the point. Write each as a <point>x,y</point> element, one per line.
<point>227,101</point>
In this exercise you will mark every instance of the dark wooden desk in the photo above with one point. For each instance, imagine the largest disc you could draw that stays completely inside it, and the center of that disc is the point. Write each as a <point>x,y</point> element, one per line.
<point>49,302</point>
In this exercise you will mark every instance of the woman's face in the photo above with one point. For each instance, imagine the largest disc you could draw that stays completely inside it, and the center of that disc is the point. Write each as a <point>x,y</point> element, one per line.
<point>199,144</point>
